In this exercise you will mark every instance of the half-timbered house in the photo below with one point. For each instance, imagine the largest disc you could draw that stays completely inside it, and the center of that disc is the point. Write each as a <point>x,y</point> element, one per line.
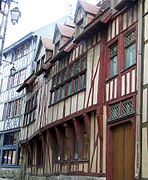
<point>80,117</point>
<point>68,134</point>
<point>19,57</point>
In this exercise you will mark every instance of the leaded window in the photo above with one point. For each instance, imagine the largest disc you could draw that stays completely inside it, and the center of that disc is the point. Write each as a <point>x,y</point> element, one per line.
<point>121,109</point>
<point>70,80</point>
<point>113,60</point>
<point>130,48</point>
<point>114,112</point>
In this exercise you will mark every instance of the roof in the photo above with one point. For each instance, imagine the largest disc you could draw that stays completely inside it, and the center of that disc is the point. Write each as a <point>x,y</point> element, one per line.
<point>27,82</point>
<point>90,8</point>
<point>65,30</point>
<point>19,42</point>
<point>48,44</point>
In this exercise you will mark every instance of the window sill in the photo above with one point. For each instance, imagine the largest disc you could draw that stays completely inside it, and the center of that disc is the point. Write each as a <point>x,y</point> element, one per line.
<point>72,161</point>
<point>110,78</point>
<point>127,68</point>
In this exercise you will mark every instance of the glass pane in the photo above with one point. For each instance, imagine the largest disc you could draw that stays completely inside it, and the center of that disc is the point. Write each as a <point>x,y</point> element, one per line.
<point>69,88</point>
<point>113,66</point>
<point>6,139</point>
<point>5,157</point>
<point>57,152</point>
<point>65,148</point>
<point>52,97</point>
<point>75,148</point>
<point>76,85</point>
<point>85,146</point>
<point>9,156</point>
<point>63,91</point>
<point>130,55</point>
<point>13,157</point>
<point>82,81</point>
<point>15,138</point>
<point>11,139</point>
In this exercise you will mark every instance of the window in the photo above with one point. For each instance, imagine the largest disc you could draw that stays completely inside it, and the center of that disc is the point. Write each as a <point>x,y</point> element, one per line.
<point>130,48</point>
<point>66,148</point>
<point>22,75</point>
<point>85,146</point>
<point>30,110</point>
<point>75,84</point>
<point>9,157</point>
<point>83,81</point>
<point>63,91</point>
<point>69,91</point>
<point>80,27</point>
<point>75,148</point>
<point>17,78</point>
<point>57,152</point>
<point>113,60</point>
<point>121,109</point>
<point>17,107</point>
<point>39,153</point>
<point>74,78</point>
<point>12,109</point>
<point>10,139</point>
<point>9,149</point>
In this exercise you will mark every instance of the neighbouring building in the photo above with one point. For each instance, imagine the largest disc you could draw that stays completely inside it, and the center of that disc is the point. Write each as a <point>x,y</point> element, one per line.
<point>21,57</point>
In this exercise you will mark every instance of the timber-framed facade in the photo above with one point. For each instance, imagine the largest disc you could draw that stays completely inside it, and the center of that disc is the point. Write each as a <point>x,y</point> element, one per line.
<point>81,116</point>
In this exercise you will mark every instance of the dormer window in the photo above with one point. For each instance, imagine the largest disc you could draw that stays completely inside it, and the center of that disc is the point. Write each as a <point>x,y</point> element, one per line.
<point>57,46</point>
<point>79,22</point>
<point>80,27</point>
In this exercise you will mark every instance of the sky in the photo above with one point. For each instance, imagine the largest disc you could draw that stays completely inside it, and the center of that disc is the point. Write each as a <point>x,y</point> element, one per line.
<point>36,14</point>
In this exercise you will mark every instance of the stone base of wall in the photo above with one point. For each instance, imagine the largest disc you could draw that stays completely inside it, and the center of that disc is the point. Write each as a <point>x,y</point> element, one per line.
<point>62,177</point>
<point>10,173</point>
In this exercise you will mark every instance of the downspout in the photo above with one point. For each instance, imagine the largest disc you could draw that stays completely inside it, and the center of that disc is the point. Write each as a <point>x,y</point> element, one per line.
<point>138,157</point>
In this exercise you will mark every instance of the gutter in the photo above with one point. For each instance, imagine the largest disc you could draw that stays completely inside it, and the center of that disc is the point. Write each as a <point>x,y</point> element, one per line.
<point>138,145</point>
<point>141,55</point>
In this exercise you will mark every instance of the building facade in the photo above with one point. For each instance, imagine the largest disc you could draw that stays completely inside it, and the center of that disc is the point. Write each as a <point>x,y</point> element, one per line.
<point>21,56</point>
<point>84,114</point>
<point>86,122</point>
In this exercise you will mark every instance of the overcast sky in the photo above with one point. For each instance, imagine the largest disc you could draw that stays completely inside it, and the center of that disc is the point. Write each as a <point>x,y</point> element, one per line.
<point>36,14</point>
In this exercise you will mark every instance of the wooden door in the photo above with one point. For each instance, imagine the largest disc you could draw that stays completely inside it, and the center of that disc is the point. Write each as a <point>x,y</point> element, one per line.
<point>122,152</point>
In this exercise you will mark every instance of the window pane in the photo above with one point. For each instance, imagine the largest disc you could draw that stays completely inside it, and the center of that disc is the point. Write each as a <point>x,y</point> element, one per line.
<point>113,66</point>
<point>22,76</point>
<point>6,139</point>
<point>85,146</point>
<point>57,152</point>
<point>75,148</point>
<point>52,97</point>
<point>63,91</point>
<point>82,81</point>
<point>69,88</point>
<point>5,157</point>
<point>65,148</point>
<point>13,157</point>
<point>130,55</point>
<point>76,85</point>
<point>9,156</point>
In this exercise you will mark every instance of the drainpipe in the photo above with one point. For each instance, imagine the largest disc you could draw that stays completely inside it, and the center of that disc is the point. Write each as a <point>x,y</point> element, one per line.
<point>138,154</point>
